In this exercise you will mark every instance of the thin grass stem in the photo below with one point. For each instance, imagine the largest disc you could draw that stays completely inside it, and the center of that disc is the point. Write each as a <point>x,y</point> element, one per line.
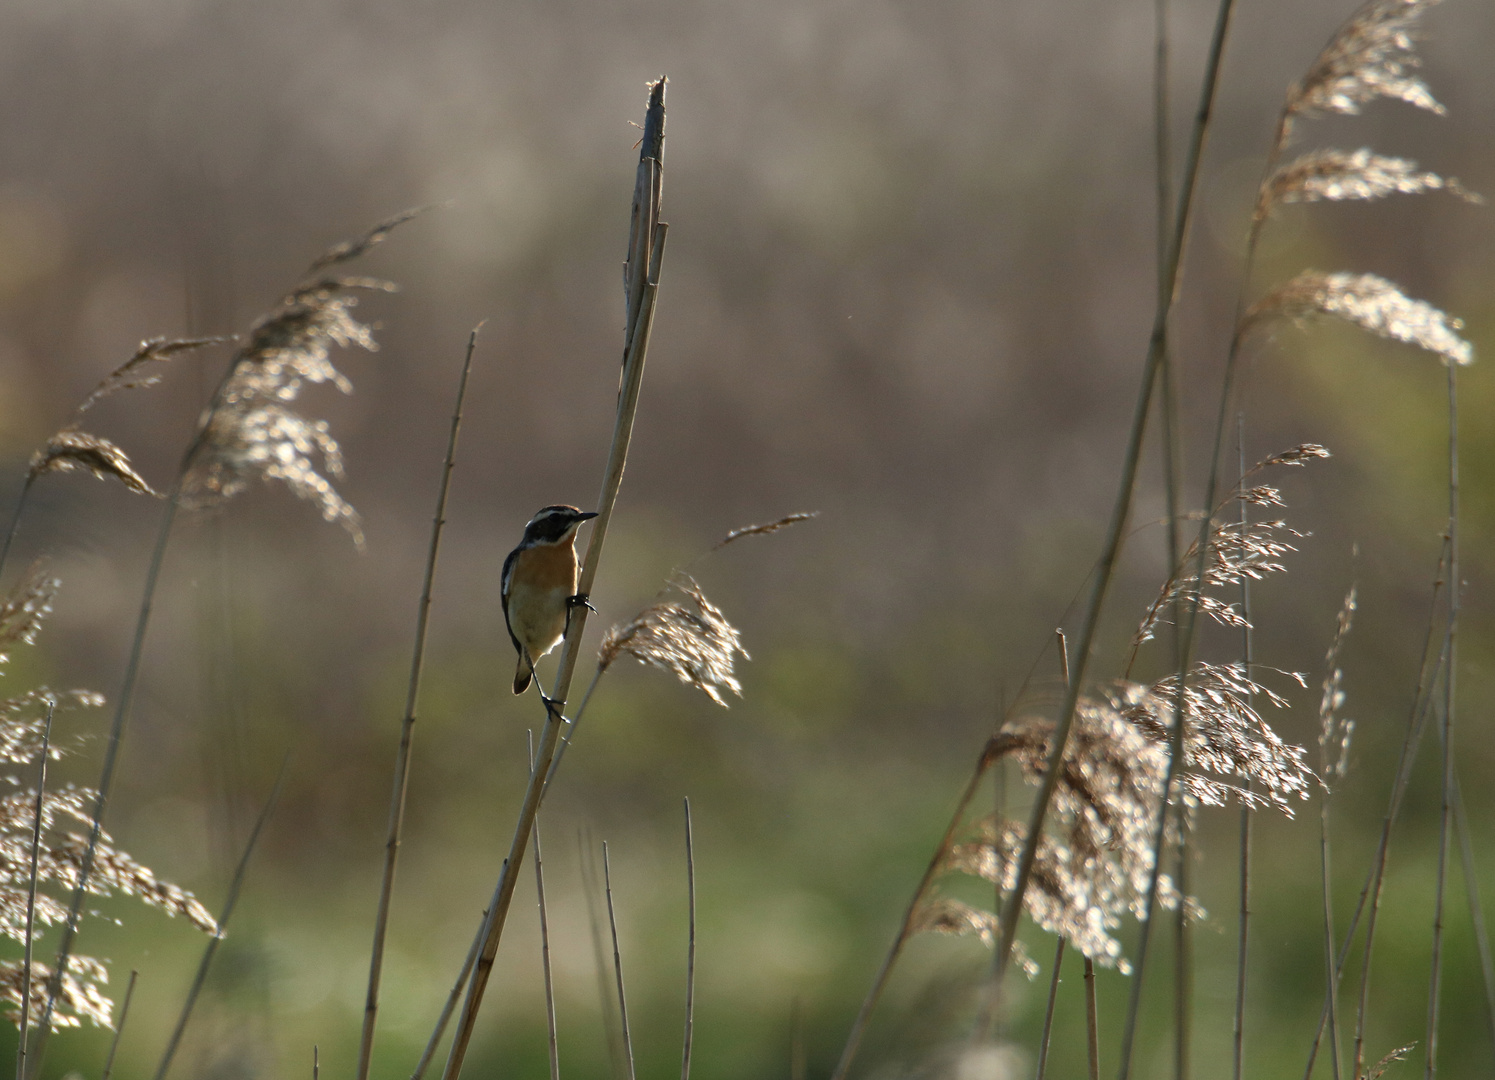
<point>36,845</point>
<point>1331,973</point>
<point>453,996</point>
<point>229,903</point>
<point>1248,658</point>
<point>1476,909</point>
<point>1013,905</point>
<point>1427,676</point>
<point>880,980</point>
<point>690,951</point>
<point>119,1027</point>
<point>612,922</point>
<point>553,1043</point>
<point>1450,697</point>
<point>15,518</point>
<point>1092,1022</point>
<point>1048,1013</point>
<point>646,252</point>
<point>398,796</point>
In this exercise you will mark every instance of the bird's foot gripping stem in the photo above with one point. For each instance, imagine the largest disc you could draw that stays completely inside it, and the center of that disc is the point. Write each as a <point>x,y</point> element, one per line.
<point>580,600</point>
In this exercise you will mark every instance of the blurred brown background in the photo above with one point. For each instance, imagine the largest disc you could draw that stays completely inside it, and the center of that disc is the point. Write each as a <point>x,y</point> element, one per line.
<point>909,282</point>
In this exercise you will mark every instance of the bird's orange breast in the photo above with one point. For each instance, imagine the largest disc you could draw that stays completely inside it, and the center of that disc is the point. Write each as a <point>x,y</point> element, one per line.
<point>543,578</point>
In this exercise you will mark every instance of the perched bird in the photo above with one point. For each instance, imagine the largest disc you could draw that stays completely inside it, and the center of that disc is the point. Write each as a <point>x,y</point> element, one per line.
<point>539,586</point>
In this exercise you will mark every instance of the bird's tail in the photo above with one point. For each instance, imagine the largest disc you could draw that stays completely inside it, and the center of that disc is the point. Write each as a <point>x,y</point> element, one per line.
<point>522,675</point>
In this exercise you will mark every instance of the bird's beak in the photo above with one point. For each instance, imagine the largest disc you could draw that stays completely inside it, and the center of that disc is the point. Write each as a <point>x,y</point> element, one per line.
<point>586,516</point>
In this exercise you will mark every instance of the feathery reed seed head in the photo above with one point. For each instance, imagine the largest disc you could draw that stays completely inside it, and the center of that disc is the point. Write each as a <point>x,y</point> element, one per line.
<point>1370,302</point>
<point>249,430</point>
<point>1336,175</point>
<point>691,638</point>
<point>1372,56</point>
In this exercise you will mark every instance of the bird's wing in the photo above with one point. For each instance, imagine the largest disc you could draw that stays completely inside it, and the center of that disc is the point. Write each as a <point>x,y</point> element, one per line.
<point>504,596</point>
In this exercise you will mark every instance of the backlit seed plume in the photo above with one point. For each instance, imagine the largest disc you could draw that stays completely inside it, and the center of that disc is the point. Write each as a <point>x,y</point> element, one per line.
<point>1299,455</point>
<point>1237,553</point>
<point>1372,56</point>
<point>764,530</point>
<point>938,914</point>
<point>1334,729</point>
<point>66,818</point>
<point>1094,862</point>
<point>1225,737</point>
<point>690,637</point>
<point>1335,175</point>
<point>1376,1071</point>
<point>250,431</point>
<point>22,612</point>
<point>1370,302</point>
<point>71,449</point>
<point>78,999</point>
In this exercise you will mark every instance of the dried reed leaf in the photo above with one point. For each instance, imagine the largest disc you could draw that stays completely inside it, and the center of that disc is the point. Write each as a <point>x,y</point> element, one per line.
<point>70,449</point>
<point>693,639</point>
<point>764,530</point>
<point>1335,175</point>
<point>1370,302</point>
<point>1372,56</point>
<point>79,997</point>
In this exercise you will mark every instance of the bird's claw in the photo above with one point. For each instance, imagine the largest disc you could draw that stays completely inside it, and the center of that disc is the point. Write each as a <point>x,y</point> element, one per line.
<point>581,600</point>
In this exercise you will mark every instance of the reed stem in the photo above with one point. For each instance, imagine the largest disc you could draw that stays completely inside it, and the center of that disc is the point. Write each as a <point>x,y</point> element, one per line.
<point>646,251</point>
<point>398,796</point>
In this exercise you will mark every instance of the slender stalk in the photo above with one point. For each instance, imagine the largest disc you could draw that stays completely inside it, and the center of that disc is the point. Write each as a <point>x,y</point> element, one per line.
<point>880,980</point>
<point>1182,960</point>
<point>117,725</point>
<point>1427,676</point>
<point>612,922</point>
<point>119,1027</point>
<point>690,952</point>
<point>1476,909</point>
<point>1048,1014</point>
<point>1012,908</point>
<point>452,997</point>
<point>607,1007</point>
<point>554,1044</point>
<point>36,845</point>
<point>15,517</point>
<point>1331,973</point>
<point>228,910</point>
<point>316,1062</point>
<point>646,251</point>
<point>1450,697</point>
<point>1248,658</point>
<point>1092,1021</point>
<point>398,796</point>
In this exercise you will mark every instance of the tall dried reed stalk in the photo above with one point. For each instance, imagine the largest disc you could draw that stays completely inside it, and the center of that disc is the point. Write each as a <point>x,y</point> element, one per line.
<point>407,726</point>
<point>641,275</point>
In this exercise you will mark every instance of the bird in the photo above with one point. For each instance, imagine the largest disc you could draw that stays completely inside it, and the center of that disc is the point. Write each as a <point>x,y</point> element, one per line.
<point>539,587</point>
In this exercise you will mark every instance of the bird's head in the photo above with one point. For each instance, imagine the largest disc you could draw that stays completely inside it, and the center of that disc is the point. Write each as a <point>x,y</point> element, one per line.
<point>555,524</point>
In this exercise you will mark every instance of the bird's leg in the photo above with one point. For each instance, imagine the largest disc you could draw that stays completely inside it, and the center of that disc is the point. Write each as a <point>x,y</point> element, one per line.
<point>579,600</point>
<point>553,708</point>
